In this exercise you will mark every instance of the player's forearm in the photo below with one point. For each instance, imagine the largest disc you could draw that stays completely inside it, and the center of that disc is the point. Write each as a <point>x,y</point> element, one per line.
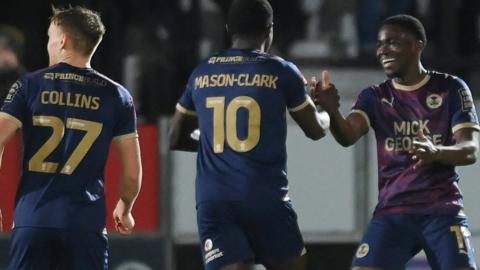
<point>130,188</point>
<point>342,130</point>
<point>464,153</point>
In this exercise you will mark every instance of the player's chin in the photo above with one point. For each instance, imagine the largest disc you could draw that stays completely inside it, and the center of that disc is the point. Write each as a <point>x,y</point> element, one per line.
<point>391,73</point>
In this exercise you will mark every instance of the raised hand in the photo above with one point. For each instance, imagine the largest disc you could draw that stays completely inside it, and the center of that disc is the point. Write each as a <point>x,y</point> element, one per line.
<point>423,150</point>
<point>327,97</point>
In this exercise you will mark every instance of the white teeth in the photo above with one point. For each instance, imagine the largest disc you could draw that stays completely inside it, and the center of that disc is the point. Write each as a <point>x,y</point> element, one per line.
<point>388,60</point>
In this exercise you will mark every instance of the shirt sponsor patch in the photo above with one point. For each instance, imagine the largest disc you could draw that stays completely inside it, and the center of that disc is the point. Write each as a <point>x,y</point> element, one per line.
<point>13,91</point>
<point>211,253</point>
<point>466,99</point>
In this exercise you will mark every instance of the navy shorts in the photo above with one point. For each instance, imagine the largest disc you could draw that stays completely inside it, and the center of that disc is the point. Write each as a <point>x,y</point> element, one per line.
<point>392,240</point>
<point>233,232</point>
<point>60,249</point>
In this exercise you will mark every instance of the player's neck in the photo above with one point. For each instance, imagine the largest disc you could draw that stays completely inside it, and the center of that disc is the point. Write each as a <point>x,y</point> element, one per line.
<point>76,60</point>
<point>413,76</point>
<point>243,44</point>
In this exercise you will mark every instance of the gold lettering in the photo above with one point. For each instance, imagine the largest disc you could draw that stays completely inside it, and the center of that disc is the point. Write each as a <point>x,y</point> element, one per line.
<point>85,103</point>
<point>198,82</point>
<point>69,100</point>
<point>95,103</point>
<point>77,100</point>
<point>60,99</point>
<point>248,83</point>
<point>256,80</point>
<point>44,97</point>
<point>264,80</point>
<point>229,80</point>
<point>242,79</point>
<point>273,82</point>
<point>205,82</point>
<point>221,80</point>
<point>53,98</point>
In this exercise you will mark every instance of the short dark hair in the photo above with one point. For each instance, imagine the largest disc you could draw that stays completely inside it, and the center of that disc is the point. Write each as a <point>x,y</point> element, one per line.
<point>84,26</point>
<point>409,23</point>
<point>249,17</point>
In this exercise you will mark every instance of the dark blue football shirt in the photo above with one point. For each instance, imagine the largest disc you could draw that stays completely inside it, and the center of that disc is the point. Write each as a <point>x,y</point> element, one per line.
<point>69,117</point>
<point>240,98</point>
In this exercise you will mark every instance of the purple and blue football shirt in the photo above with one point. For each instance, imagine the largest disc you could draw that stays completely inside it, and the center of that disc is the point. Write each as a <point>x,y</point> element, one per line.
<point>439,105</point>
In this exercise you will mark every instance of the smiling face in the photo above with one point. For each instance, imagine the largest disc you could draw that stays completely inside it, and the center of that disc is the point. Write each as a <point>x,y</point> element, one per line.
<point>55,45</point>
<point>398,51</point>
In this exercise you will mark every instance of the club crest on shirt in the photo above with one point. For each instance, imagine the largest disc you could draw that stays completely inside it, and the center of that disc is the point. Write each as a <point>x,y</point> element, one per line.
<point>13,91</point>
<point>208,245</point>
<point>434,101</point>
<point>362,250</point>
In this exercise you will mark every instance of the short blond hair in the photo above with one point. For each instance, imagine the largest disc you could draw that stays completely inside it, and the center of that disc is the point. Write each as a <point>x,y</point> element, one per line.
<point>83,25</point>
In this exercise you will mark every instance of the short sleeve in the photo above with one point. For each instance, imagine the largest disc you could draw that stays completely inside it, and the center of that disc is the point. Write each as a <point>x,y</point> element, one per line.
<point>364,105</point>
<point>295,89</point>
<point>462,108</point>
<point>186,104</point>
<point>15,104</point>
<point>126,126</point>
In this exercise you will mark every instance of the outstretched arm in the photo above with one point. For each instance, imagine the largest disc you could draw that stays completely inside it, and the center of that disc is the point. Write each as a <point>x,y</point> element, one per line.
<point>346,131</point>
<point>179,134</point>
<point>463,152</point>
<point>130,183</point>
<point>314,124</point>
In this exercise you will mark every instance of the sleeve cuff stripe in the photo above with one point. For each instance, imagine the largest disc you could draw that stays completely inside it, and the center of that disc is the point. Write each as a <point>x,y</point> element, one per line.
<point>362,113</point>
<point>11,118</point>
<point>126,136</point>
<point>465,125</point>
<point>299,107</point>
<point>182,109</point>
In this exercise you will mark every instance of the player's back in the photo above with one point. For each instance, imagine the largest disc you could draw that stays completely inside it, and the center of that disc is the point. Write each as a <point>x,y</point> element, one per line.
<point>240,98</point>
<point>69,117</point>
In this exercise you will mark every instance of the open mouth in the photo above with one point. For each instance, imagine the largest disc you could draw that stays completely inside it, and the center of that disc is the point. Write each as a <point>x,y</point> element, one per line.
<point>388,62</point>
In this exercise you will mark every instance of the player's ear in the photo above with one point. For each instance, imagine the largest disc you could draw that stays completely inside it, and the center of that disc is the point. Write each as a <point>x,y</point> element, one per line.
<point>63,41</point>
<point>421,45</point>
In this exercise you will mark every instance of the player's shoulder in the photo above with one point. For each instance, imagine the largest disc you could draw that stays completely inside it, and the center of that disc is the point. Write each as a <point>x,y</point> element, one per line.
<point>38,74</point>
<point>449,81</point>
<point>287,68</point>
<point>377,89</point>
<point>119,89</point>
<point>280,62</point>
